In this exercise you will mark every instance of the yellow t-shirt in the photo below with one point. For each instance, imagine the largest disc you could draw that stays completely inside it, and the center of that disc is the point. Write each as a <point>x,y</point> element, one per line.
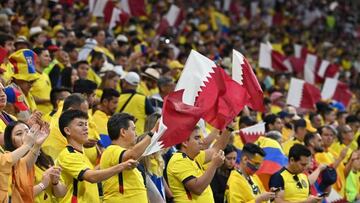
<point>74,164</point>
<point>249,188</point>
<point>41,89</point>
<point>296,187</point>
<point>30,102</point>
<point>101,126</point>
<point>93,77</point>
<point>143,89</point>
<point>135,107</point>
<point>45,196</point>
<point>131,181</point>
<point>337,147</point>
<point>6,163</point>
<point>55,142</point>
<point>181,169</point>
<point>288,144</point>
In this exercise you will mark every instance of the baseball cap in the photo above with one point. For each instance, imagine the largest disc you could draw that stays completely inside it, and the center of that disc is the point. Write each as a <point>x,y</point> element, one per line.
<point>132,78</point>
<point>122,38</point>
<point>309,126</point>
<point>15,97</point>
<point>23,62</point>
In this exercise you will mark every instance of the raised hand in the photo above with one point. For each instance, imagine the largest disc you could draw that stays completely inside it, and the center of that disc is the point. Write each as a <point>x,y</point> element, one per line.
<point>35,118</point>
<point>42,134</point>
<point>218,158</point>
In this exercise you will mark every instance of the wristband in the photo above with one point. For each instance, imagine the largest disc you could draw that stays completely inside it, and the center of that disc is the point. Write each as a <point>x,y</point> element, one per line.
<point>230,129</point>
<point>151,134</point>
<point>42,186</point>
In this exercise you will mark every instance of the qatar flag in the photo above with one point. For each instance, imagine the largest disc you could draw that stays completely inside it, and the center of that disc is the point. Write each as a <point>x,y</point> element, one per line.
<point>302,94</point>
<point>204,90</point>
<point>240,68</point>
<point>252,133</point>
<point>273,60</point>
<point>336,90</point>
<point>173,18</point>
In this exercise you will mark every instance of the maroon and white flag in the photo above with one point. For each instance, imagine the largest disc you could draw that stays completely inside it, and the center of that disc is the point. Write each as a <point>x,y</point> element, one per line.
<point>302,94</point>
<point>336,90</point>
<point>272,59</point>
<point>205,91</point>
<point>252,133</point>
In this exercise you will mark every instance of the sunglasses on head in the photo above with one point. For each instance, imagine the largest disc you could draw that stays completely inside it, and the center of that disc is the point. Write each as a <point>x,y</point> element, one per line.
<point>298,184</point>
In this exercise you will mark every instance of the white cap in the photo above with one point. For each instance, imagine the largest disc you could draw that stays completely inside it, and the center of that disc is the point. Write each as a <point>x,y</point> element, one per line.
<point>35,30</point>
<point>120,71</point>
<point>122,38</point>
<point>132,78</point>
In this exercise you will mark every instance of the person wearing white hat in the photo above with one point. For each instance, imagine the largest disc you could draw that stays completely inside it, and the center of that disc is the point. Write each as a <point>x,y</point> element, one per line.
<point>37,36</point>
<point>133,102</point>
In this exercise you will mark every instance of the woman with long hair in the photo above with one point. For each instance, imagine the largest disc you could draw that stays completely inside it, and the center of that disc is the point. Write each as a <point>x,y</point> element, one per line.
<point>34,174</point>
<point>68,78</point>
<point>218,183</point>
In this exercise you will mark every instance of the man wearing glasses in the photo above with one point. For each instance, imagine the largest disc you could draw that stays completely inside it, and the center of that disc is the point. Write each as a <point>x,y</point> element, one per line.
<point>243,185</point>
<point>293,183</point>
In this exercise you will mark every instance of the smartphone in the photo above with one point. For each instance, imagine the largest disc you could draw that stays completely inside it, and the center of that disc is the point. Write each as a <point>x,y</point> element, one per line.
<point>323,194</point>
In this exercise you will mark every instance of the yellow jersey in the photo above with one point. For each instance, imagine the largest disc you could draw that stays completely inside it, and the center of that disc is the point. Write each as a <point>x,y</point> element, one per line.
<point>250,188</point>
<point>181,169</point>
<point>41,89</point>
<point>46,195</point>
<point>101,126</point>
<point>74,164</point>
<point>288,144</point>
<point>127,186</point>
<point>5,119</point>
<point>296,186</point>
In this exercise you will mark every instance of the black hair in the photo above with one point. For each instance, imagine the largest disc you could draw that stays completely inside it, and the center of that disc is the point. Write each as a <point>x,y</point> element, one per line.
<point>4,37</point>
<point>297,151</point>
<point>252,149</point>
<point>340,113</point>
<point>8,143</point>
<point>43,161</point>
<point>308,137</point>
<point>118,121</point>
<point>351,119</point>
<point>358,142</point>
<point>108,94</point>
<point>54,94</point>
<point>269,119</point>
<point>301,123</point>
<point>66,78</point>
<point>67,116</point>
<point>94,31</point>
<point>178,146</point>
<point>96,55</point>
<point>77,64</point>
<point>39,50</point>
<point>84,86</point>
<point>246,120</point>
<point>69,47</point>
<point>229,148</point>
<point>74,100</point>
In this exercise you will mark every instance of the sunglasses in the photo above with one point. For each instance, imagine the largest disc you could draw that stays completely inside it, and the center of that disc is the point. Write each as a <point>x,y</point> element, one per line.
<point>298,184</point>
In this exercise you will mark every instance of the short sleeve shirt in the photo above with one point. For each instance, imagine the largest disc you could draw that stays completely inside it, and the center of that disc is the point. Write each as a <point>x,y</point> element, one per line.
<point>74,164</point>
<point>181,169</point>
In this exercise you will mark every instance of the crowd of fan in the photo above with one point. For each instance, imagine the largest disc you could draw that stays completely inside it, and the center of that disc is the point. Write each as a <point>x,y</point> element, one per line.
<point>80,102</point>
